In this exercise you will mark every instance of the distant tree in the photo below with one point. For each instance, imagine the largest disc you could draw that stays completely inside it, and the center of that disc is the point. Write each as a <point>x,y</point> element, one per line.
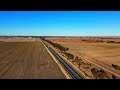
<point>76,57</point>
<point>113,76</point>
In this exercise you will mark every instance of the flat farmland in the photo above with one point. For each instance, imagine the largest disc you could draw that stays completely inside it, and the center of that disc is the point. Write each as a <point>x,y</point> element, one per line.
<point>105,52</point>
<point>101,54</point>
<point>27,60</point>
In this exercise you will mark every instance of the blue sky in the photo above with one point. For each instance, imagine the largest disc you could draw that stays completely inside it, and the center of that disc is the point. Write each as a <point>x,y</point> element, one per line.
<point>60,23</point>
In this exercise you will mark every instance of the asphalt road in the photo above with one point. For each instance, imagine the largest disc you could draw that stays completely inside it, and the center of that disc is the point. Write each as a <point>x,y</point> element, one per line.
<point>67,67</point>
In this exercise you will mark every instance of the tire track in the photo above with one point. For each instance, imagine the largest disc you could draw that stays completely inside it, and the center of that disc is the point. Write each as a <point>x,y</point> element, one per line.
<point>8,65</point>
<point>14,70</point>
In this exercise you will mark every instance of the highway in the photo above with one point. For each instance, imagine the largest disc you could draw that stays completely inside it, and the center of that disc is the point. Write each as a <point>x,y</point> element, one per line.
<point>66,66</point>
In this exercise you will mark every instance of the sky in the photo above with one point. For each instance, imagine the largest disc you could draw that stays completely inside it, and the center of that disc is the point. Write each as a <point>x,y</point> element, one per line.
<point>60,23</point>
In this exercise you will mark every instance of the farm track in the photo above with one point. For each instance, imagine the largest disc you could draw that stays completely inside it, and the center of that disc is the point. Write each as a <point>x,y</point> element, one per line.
<point>99,64</point>
<point>28,60</point>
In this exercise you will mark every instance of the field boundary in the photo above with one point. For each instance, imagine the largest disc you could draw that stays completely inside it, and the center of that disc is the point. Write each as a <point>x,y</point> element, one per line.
<point>70,63</point>
<point>58,63</point>
<point>98,65</point>
<point>78,70</point>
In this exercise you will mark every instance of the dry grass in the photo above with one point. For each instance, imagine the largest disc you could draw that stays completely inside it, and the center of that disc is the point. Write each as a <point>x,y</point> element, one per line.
<point>102,54</point>
<point>27,60</point>
<point>106,52</point>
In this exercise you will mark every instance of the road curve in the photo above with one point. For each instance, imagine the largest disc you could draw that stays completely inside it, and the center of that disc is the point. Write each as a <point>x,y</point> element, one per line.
<point>67,67</point>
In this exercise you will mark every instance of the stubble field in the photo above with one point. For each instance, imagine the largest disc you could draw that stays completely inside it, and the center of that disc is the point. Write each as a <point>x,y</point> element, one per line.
<point>101,54</point>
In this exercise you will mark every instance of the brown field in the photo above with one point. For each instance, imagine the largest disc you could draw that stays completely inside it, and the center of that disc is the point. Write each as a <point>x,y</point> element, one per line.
<point>17,39</point>
<point>27,60</point>
<point>78,40</point>
<point>103,54</point>
<point>106,52</point>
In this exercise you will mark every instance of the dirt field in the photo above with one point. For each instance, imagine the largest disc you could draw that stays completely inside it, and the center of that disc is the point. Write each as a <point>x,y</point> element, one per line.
<point>27,60</point>
<point>103,54</point>
<point>17,39</point>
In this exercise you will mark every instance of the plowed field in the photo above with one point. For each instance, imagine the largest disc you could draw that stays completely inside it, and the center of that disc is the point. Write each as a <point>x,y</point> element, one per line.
<point>27,60</point>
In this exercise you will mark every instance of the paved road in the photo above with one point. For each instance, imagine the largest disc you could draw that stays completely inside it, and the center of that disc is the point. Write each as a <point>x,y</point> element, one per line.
<point>67,67</point>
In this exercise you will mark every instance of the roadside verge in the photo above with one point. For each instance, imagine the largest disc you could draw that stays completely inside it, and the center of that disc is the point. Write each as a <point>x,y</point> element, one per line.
<point>58,63</point>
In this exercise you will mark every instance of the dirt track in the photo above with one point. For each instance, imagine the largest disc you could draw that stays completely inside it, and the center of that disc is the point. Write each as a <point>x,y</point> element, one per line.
<point>27,60</point>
